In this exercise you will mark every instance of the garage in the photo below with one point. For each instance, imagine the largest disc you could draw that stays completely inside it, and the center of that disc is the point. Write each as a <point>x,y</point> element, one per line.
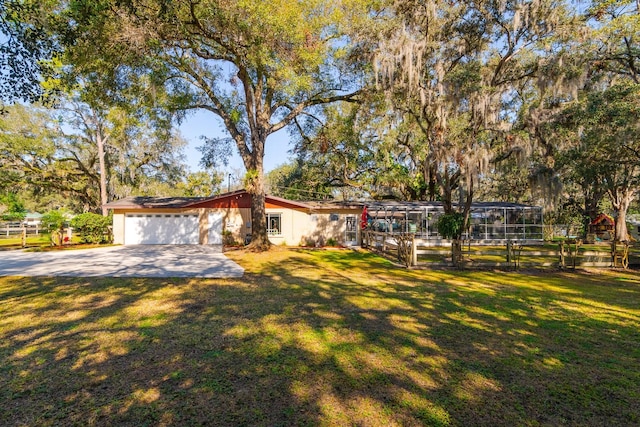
<point>161,229</point>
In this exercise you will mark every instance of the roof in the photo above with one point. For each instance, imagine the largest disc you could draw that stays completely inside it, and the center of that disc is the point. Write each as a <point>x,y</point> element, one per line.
<point>334,204</point>
<point>401,205</point>
<point>154,202</point>
<point>144,202</point>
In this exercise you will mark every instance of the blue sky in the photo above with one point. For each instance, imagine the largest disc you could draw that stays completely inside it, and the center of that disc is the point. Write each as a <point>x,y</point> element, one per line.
<point>206,123</point>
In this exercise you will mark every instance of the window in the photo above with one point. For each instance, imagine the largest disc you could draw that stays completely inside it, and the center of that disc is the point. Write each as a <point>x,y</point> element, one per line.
<point>274,224</point>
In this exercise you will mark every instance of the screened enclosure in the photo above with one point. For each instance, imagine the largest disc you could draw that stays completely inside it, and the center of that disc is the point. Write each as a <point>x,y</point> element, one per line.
<point>489,221</point>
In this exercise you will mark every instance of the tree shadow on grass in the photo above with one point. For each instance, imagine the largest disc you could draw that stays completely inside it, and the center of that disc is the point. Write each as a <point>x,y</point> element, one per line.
<point>317,338</point>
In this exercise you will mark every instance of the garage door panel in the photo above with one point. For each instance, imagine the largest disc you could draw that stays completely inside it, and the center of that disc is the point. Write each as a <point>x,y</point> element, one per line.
<point>161,229</point>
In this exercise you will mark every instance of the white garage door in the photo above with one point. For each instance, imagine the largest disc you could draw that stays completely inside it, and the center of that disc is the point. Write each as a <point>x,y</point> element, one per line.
<point>161,229</point>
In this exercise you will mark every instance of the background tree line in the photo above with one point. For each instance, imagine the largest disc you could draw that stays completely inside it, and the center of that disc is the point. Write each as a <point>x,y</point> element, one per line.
<point>527,101</point>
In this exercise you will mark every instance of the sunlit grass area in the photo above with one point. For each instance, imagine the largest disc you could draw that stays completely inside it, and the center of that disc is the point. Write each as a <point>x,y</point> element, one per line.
<point>323,338</point>
<point>14,242</point>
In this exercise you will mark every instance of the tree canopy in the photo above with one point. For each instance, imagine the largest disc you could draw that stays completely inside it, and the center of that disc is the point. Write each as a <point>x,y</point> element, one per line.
<point>422,100</point>
<point>257,65</point>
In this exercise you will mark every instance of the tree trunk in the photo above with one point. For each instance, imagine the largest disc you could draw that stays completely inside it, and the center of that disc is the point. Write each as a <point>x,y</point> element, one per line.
<point>621,206</point>
<point>456,253</point>
<point>593,194</point>
<point>254,184</point>
<point>259,236</point>
<point>103,174</point>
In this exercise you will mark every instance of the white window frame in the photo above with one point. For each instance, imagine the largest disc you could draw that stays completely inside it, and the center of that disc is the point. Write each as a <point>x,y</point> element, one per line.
<point>274,216</point>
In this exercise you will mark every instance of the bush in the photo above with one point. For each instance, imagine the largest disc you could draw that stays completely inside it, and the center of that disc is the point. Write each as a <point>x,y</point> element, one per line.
<point>92,228</point>
<point>228,239</point>
<point>53,220</point>
<point>450,225</point>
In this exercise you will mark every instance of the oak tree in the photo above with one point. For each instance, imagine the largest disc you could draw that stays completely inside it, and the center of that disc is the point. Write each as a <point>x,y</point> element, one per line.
<point>257,65</point>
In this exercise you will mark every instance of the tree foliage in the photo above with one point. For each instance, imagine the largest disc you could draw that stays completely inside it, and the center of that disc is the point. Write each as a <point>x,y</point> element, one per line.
<point>200,184</point>
<point>451,225</point>
<point>25,47</point>
<point>11,207</point>
<point>604,128</point>
<point>448,101</point>
<point>48,153</point>
<point>452,73</point>
<point>54,220</point>
<point>256,65</point>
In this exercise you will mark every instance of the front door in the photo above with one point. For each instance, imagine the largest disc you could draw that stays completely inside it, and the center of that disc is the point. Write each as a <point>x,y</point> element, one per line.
<point>351,233</point>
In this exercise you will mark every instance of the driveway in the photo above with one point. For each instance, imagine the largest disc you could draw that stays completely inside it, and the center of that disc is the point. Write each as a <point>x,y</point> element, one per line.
<point>123,261</point>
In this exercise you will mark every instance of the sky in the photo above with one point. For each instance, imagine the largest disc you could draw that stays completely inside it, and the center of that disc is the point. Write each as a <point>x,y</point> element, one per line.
<point>206,123</point>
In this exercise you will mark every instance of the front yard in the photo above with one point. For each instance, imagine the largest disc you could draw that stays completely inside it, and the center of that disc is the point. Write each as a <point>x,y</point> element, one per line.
<point>323,337</point>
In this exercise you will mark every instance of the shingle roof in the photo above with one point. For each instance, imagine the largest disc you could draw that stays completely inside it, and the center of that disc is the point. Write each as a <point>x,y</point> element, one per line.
<point>154,202</point>
<point>142,202</point>
<point>399,205</point>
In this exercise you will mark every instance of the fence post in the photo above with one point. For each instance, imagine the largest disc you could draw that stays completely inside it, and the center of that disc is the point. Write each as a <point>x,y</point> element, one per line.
<point>24,237</point>
<point>414,251</point>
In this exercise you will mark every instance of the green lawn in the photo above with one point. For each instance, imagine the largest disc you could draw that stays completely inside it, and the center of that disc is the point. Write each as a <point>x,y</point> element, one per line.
<point>323,338</point>
<point>15,242</point>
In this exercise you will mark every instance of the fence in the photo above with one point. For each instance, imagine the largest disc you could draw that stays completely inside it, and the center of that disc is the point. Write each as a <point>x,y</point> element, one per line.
<point>413,251</point>
<point>15,230</point>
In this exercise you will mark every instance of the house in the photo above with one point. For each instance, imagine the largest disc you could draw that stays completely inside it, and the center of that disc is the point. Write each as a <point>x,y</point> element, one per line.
<point>203,220</point>
<point>32,219</point>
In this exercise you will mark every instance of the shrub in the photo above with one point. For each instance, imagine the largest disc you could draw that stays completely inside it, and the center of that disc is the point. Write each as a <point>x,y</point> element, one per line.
<point>53,220</point>
<point>93,228</point>
<point>228,239</point>
<point>450,225</point>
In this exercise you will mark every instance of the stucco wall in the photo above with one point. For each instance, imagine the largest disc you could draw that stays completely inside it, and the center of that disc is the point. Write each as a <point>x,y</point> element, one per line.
<point>298,227</point>
<point>118,228</point>
<point>311,229</point>
<point>332,225</point>
<point>235,220</point>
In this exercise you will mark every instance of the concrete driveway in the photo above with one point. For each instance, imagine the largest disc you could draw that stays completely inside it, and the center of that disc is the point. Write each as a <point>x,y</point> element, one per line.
<point>123,261</point>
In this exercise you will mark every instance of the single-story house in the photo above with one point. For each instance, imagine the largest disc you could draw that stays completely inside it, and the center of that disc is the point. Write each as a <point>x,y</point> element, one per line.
<point>32,219</point>
<point>204,220</point>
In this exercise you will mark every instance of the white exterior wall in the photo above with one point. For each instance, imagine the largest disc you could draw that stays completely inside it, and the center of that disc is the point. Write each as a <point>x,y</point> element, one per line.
<point>118,228</point>
<point>293,223</point>
<point>298,227</point>
<point>310,229</point>
<point>326,228</point>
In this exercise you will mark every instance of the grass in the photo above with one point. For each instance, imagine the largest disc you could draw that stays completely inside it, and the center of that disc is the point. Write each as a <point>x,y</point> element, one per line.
<point>323,338</point>
<point>530,255</point>
<point>42,243</point>
<point>16,242</point>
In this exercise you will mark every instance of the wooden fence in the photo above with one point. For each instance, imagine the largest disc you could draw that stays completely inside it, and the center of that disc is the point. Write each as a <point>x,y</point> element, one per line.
<point>16,229</point>
<point>414,252</point>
